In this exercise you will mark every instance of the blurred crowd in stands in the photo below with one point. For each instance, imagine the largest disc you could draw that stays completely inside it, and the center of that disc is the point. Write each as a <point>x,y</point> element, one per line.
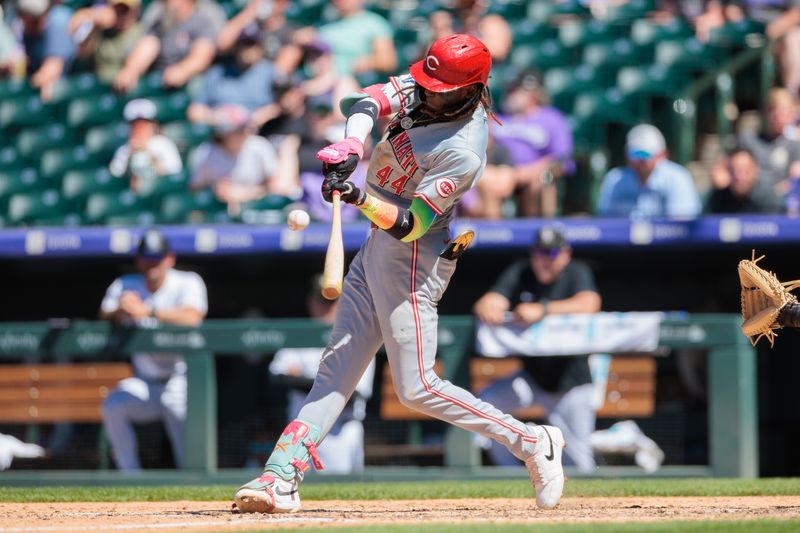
<point>267,86</point>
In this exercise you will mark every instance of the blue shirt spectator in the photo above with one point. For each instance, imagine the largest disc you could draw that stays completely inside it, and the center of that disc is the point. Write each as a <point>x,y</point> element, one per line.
<point>43,30</point>
<point>650,185</point>
<point>246,81</point>
<point>230,84</point>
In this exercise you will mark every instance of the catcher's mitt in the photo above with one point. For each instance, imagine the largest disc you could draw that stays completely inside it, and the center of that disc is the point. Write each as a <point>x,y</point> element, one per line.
<point>763,297</point>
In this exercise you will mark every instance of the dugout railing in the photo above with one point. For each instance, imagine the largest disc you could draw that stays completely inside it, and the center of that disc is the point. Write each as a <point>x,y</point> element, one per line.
<point>732,402</point>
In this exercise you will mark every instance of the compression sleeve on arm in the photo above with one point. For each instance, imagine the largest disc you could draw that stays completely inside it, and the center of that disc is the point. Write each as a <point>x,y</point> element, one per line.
<point>361,117</point>
<point>403,224</point>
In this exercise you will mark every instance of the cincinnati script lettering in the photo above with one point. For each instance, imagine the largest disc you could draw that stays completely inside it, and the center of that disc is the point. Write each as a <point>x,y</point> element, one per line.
<point>401,145</point>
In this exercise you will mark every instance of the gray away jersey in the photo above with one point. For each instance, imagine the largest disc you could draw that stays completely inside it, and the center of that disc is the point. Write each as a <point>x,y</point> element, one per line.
<point>436,163</point>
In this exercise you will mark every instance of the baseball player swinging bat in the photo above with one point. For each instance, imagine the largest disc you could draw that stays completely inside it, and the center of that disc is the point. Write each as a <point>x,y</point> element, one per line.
<point>430,154</point>
<point>333,274</point>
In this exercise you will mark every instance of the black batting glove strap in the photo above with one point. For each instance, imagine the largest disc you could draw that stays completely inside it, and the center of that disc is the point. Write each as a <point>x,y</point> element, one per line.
<point>341,171</point>
<point>349,193</point>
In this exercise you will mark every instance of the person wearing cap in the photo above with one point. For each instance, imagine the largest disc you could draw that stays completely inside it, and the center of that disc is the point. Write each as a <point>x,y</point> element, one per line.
<point>45,38</point>
<point>156,293</point>
<point>147,155</point>
<point>342,452</point>
<point>246,80</point>
<point>237,164</point>
<point>548,282</point>
<point>540,141</point>
<point>107,33</point>
<point>180,46</point>
<point>650,185</point>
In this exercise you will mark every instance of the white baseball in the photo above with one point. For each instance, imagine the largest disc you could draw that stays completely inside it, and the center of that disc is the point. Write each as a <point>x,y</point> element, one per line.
<point>298,220</point>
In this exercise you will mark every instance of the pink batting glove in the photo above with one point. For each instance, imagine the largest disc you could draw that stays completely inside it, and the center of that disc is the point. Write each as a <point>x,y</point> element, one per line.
<point>338,152</point>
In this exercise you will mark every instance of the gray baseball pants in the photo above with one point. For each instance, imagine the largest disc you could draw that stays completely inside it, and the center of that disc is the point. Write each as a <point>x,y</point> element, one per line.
<point>390,297</point>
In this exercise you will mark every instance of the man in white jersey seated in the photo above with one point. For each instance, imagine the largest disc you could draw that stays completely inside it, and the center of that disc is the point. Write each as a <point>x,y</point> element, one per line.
<point>157,293</point>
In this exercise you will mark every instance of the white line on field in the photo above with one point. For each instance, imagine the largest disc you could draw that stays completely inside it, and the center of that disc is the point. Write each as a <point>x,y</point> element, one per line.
<point>219,523</point>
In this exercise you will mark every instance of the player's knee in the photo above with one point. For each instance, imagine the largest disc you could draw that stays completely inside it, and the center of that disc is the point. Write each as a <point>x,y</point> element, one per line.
<point>413,396</point>
<point>112,405</point>
<point>108,408</point>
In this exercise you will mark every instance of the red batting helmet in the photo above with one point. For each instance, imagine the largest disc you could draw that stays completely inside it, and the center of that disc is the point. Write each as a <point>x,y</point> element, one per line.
<point>453,62</point>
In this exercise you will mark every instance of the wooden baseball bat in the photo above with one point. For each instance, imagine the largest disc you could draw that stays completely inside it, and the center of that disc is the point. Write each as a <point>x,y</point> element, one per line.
<point>333,274</point>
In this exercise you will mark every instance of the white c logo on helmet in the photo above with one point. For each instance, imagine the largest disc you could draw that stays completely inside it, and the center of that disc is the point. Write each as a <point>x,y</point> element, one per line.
<point>431,62</point>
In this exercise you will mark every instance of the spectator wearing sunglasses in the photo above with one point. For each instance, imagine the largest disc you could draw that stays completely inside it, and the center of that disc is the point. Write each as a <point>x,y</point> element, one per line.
<point>549,282</point>
<point>650,185</point>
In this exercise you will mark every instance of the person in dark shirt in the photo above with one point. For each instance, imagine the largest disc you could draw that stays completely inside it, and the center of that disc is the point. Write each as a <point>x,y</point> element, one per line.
<point>549,282</point>
<point>746,192</point>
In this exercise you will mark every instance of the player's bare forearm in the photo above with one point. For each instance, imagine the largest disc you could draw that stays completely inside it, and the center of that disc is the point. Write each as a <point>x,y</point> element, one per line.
<point>181,316</point>
<point>582,302</point>
<point>118,315</point>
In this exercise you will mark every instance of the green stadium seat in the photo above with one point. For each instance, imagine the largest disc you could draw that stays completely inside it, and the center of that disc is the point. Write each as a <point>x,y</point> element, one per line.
<point>82,85</point>
<point>550,53</point>
<point>406,35</point>
<point>645,32</point>
<point>77,4</point>
<point>687,54</point>
<point>585,134</point>
<point>546,10</point>
<point>54,163</point>
<point>149,85</point>
<point>171,107</point>
<point>19,181</point>
<point>610,57</point>
<point>161,186</point>
<point>267,210</point>
<point>92,111</point>
<point>649,80</point>
<point>201,206</point>
<point>734,34</point>
<point>510,10</point>
<point>577,33</point>
<point>23,111</point>
<point>186,135</point>
<point>140,218</point>
<point>528,32</point>
<point>306,12</point>
<point>15,89</point>
<point>25,208</point>
<point>11,159</point>
<point>603,107</point>
<point>78,184</point>
<point>106,138</point>
<point>31,142</point>
<point>68,219</point>
<point>629,10</point>
<point>563,84</point>
<point>102,205</point>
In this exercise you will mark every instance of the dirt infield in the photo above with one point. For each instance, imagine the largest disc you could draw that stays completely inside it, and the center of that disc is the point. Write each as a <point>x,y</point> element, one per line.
<point>216,516</point>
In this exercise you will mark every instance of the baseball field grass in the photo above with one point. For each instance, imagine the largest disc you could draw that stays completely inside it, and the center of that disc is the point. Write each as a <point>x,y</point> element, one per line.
<point>497,506</point>
<point>578,488</point>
